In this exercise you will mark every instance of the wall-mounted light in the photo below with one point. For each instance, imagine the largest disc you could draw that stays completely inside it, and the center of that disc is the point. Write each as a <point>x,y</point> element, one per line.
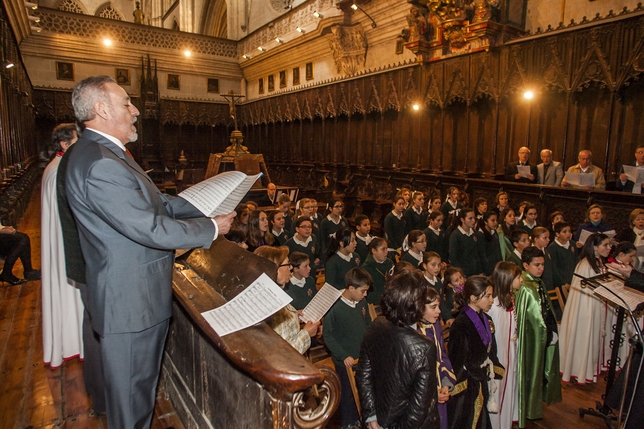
<point>36,29</point>
<point>278,40</point>
<point>8,64</point>
<point>246,57</point>
<point>415,107</point>
<point>32,6</point>
<point>259,48</point>
<point>34,19</point>
<point>356,7</point>
<point>528,95</point>
<point>317,14</point>
<point>300,30</point>
<point>107,42</point>
<point>187,53</point>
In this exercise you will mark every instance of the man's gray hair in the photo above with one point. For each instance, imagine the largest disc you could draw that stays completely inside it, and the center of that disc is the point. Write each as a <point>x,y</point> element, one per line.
<point>87,93</point>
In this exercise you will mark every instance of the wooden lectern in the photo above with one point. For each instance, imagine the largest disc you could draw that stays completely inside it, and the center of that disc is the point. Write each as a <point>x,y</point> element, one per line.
<point>247,379</point>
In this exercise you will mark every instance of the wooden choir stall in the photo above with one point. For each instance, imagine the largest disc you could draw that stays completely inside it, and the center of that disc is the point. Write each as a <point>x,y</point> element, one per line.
<point>247,379</point>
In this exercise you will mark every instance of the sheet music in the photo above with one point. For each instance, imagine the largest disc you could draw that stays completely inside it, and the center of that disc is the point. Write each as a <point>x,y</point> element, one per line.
<point>640,250</point>
<point>583,236</point>
<point>634,174</point>
<point>580,179</point>
<point>632,297</point>
<point>523,170</point>
<point>219,194</point>
<point>321,303</point>
<point>257,302</point>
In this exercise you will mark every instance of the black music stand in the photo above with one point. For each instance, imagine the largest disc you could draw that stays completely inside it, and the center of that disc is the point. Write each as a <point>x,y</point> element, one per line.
<point>621,296</point>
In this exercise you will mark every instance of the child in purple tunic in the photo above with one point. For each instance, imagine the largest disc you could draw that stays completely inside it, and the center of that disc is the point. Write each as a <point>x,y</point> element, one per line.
<point>431,327</point>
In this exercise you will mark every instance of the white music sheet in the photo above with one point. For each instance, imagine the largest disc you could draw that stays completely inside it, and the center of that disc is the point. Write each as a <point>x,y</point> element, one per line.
<point>257,302</point>
<point>321,303</point>
<point>219,194</point>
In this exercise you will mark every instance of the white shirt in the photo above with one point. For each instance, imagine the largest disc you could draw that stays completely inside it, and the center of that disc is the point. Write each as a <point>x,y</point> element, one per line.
<point>299,283</point>
<point>466,233</point>
<point>366,239</point>
<point>565,246</point>
<point>343,256</point>
<point>399,216</point>
<point>302,243</point>
<point>348,302</point>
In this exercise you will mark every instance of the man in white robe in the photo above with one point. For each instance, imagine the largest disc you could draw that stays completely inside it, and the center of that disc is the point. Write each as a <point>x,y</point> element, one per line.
<point>62,308</point>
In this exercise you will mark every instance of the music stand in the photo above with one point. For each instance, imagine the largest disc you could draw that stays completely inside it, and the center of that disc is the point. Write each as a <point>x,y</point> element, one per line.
<point>611,287</point>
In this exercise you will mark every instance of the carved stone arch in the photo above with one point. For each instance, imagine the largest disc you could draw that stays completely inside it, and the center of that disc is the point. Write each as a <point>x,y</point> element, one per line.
<point>175,25</point>
<point>110,11</point>
<point>214,21</point>
<point>593,69</point>
<point>72,6</point>
<point>392,102</point>
<point>374,105</point>
<point>410,96</point>
<point>270,116</point>
<point>433,94</point>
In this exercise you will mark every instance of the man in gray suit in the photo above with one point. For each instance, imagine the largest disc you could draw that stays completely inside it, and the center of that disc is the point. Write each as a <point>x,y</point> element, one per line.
<point>549,172</point>
<point>128,231</point>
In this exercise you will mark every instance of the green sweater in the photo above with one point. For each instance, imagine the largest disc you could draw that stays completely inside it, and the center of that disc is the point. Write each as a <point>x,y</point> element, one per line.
<point>312,250</point>
<point>564,262</point>
<point>344,327</point>
<point>378,272</point>
<point>301,295</point>
<point>336,268</point>
<point>409,258</point>
<point>464,253</point>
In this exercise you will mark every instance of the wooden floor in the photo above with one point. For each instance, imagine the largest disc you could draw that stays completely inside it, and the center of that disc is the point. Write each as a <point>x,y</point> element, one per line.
<point>33,396</point>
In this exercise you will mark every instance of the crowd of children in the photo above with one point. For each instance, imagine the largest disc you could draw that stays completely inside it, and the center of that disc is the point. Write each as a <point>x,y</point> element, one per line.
<point>488,269</point>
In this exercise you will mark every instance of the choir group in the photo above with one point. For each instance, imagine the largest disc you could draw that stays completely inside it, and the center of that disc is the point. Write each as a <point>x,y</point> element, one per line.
<point>490,271</point>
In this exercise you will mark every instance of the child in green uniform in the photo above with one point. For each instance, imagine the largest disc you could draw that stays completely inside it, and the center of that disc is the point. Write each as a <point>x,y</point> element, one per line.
<point>363,227</point>
<point>344,326</point>
<point>341,257</point>
<point>520,240</point>
<point>378,266</point>
<point>417,243</point>
<point>563,252</point>
<point>304,241</point>
<point>437,239</point>
<point>301,287</point>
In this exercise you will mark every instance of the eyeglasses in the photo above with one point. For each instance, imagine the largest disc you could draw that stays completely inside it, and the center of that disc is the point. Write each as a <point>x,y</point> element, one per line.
<point>305,226</point>
<point>339,207</point>
<point>285,265</point>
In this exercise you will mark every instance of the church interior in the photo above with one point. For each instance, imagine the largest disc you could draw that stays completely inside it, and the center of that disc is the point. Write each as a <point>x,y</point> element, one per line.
<point>342,98</point>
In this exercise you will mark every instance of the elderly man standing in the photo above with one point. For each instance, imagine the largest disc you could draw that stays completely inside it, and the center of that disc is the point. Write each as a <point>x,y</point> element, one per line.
<point>62,307</point>
<point>128,230</point>
<point>549,172</point>
<point>513,173</point>
<point>586,166</point>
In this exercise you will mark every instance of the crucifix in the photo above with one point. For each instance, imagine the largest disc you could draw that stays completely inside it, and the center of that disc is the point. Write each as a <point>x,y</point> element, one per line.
<point>231,97</point>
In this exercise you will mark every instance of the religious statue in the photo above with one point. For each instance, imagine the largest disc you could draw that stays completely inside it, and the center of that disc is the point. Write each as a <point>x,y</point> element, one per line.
<point>139,16</point>
<point>418,26</point>
<point>483,10</point>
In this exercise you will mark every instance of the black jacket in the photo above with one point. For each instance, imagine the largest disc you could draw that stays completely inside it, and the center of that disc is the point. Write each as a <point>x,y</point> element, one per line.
<point>396,377</point>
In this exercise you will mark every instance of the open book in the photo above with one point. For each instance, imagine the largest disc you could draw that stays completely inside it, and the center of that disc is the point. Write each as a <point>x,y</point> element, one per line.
<point>219,194</point>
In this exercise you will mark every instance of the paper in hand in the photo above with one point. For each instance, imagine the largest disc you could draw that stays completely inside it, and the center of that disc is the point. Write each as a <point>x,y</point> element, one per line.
<point>220,194</point>
<point>257,302</point>
<point>524,171</point>
<point>321,303</point>
<point>580,179</point>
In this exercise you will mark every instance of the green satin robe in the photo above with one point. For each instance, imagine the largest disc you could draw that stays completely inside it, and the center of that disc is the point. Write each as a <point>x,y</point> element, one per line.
<point>536,360</point>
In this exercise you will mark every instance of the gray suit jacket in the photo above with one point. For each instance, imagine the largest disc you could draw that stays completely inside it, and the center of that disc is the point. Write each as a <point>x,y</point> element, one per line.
<point>128,230</point>
<point>554,176</point>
